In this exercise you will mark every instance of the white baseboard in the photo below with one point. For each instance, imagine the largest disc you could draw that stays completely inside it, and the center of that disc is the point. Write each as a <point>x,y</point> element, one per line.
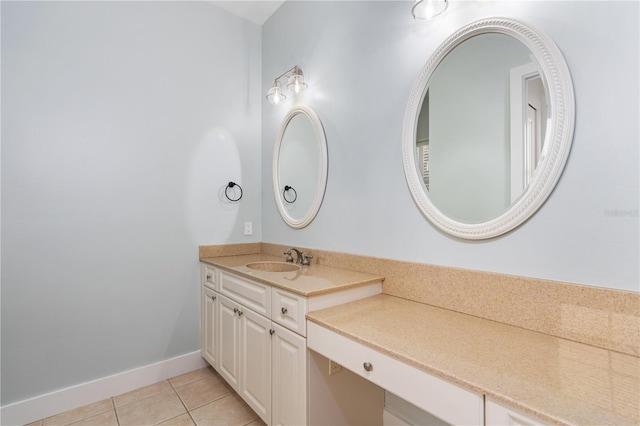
<point>40,407</point>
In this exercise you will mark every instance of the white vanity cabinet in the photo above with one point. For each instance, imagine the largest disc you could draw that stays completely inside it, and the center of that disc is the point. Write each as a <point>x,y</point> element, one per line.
<point>254,336</point>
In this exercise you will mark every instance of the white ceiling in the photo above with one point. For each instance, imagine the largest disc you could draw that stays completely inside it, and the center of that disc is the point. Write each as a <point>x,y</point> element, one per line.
<point>257,11</point>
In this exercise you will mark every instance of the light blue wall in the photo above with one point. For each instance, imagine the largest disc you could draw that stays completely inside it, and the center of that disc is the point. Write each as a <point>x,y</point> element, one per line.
<point>121,124</point>
<point>361,60</point>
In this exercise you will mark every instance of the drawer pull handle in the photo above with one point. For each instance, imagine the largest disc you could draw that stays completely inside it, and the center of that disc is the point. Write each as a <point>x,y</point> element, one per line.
<point>283,310</point>
<point>272,331</point>
<point>235,310</point>
<point>209,277</point>
<point>213,298</point>
<point>367,366</point>
<point>240,313</point>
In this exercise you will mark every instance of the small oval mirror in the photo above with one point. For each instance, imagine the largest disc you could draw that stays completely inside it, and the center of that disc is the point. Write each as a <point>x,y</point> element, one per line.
<point>300,167</point>
<point>488,128</point>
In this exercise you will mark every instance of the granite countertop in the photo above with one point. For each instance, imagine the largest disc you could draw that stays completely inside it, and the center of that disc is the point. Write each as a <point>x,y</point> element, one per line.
<point>310,280</point>
<point>557,380</point>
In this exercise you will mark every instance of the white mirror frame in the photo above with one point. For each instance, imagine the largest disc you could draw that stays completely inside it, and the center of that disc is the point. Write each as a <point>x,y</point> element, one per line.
<point>320,139</point>
<point>558,137</point>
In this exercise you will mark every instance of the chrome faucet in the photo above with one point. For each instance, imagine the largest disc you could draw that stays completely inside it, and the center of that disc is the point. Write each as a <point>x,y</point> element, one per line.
<point>298,255</point>
<point>301,258</point>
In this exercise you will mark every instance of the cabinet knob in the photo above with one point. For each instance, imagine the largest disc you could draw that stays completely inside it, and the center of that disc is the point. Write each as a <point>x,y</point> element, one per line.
<point>283,310</point>
<point>367,366</point>
<point>240,313</point>
<point>208,277</point>
<point>235,310</point>
<point>213,298</point>
<point>272,331</point>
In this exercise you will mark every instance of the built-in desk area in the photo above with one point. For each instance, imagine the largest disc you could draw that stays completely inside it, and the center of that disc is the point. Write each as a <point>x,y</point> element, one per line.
<point>445,362</point>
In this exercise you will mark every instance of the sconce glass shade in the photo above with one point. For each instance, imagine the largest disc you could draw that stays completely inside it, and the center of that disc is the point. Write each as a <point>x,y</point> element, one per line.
<point>275,95</point>
<point>296,83</point>
<point>427,9</point>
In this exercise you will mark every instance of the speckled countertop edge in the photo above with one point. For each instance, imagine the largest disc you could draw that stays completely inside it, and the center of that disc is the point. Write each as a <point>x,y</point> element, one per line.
<point>310,281</point>
<point>516,366</point>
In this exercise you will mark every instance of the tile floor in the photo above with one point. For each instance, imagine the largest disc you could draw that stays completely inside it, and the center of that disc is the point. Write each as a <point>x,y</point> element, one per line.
<point>200,398</point>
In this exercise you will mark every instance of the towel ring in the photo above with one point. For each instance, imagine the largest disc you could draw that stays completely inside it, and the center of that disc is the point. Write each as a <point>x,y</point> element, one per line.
<point>232,185</point>
<point>284,194</point>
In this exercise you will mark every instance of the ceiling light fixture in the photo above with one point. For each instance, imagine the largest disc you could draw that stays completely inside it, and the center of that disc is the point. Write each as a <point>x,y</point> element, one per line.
<point>295,85</point>
<point>427,9</point>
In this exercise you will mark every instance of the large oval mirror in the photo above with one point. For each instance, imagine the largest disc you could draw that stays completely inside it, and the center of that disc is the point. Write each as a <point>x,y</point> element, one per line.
<point>488,128</point>
<point>300,167</point>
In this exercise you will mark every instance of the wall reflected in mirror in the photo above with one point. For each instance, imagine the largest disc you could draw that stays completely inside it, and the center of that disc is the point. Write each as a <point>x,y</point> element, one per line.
<point>299,166</point>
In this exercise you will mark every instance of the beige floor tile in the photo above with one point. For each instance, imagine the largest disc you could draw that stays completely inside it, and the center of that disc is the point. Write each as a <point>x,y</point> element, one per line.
<point>38,423</point>
<point>142,393</point>
<point>191,376</point>
<point>203,391</point>
<point>230,410</point>
<point>257,422</point>
<point>182,420</point>
<point>151,410</point>
<point>78,414</point>
<point>108,418</point>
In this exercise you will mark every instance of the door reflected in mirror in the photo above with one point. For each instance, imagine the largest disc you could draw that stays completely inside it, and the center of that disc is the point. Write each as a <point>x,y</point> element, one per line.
<point>528,118</point>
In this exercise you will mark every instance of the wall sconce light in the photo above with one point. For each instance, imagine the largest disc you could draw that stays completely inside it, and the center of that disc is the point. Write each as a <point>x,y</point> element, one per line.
<point>295,85</point>
<point>427,9</point>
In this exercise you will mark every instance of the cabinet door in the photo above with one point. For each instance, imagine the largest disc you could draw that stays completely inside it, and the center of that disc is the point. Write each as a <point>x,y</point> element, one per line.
<point>289,375</point>
<point>228,341</point>
<point>255,362</point>
<point>208,328</point>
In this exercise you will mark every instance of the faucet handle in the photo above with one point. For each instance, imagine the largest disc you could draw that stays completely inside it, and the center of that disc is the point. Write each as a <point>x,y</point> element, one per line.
<point>307,258</point>
<point>289,258</point>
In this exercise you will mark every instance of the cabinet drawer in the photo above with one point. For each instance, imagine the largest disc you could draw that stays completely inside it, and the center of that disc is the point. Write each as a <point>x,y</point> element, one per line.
<point>498,414</point>
<point>289,310</point>
<point>445,400</point>
<point>209,276</point>
<point>251,294</point>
